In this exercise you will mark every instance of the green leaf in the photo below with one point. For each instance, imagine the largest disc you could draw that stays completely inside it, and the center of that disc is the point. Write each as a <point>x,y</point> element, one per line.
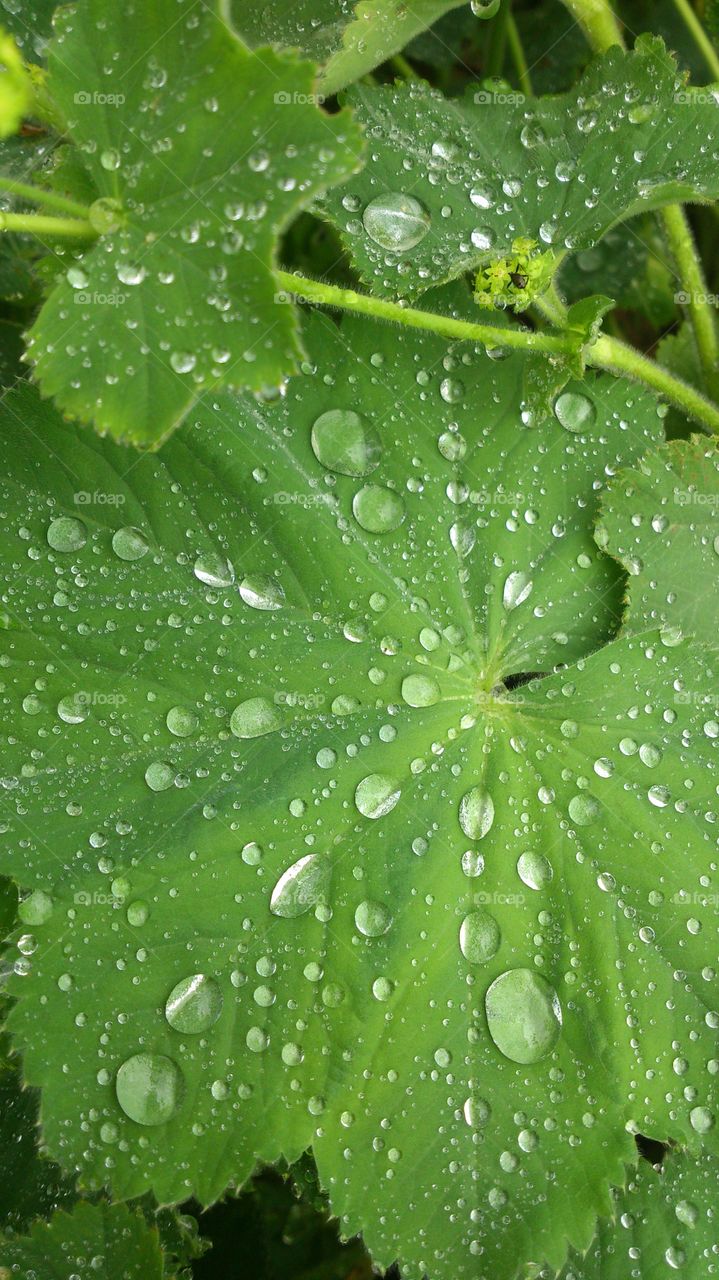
<point>15,86</point>
<point>663,1222</point>
<point>103,1240</point>
<point>349,40</point>
<point>449,185</point>
<point>178,293</point>
<point>629,264</point>
<point>661,520</point>
<point>30,1186</point>
<point>202,996</point>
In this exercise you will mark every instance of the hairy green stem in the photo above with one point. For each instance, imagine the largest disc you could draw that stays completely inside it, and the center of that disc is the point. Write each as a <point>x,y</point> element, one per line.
<point>38,195</point>
<point>598,21</point>
<point>699,35</point>
<point>38,224</point>
<point>605,353</point>
<point>518,57</point>
<point>330,295</point>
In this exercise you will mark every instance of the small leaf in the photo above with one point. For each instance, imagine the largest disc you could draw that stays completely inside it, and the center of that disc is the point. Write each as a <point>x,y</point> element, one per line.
<point>102,1240</point>
<point>178,293</point>
<point>15,86</point>
<point>348,40</point>
<point>661,520</point>
<point>532,168</point>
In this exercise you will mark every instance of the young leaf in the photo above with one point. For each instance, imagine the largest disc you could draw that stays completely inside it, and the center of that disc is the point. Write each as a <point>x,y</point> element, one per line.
<point>661,521</point>
<point>327,865</point>
<point>348,39</point>
<point>15,86</point>
<point>450,184</point>
<point>663,1222</point>
<point>103,1240</point>
<point>178,293</point>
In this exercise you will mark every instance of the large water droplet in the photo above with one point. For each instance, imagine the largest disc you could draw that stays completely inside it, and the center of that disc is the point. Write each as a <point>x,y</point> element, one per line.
<point>149,1088</point>
<point>534,870</point>
<point>301,886</point>
<point>66,534</point>
<point>254,717</point>
<point>377,509</point>
<point>377,795</point>
<point>420,691</point>
<point>373,918</point>
<point>129,544</point>
<point>345,442</point>
<point>396,221</point>
<point>584,809</point>
<point>479,937</point>
<point>260,591</point>
<point>574,411</point>
<point>214,570</point>
<point>523,1015</point>
<point>476,813</point>
<point>194,1004</point>
<point>517,588</point>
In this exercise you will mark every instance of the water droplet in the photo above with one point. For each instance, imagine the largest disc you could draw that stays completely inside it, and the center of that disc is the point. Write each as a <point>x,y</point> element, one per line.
<point>396,221</point>
<point>687,1213</point>
<point>137,913</point>
<point>574,411</point>
<point>159,775</point>
<point>255,717</point>
<point>377,795</point>
<point>584,809</point>
<point>149,1088</point>
<point>214,570</point>
<point>345,442</point>
<point>702,1119</point>
<point>129,544</point>
<point>476,813</point>
<point>420,691</point>
<point>479,937</point>
<point>194,1004</point>
<point>260,591</point>
<point>181,721</point>
<point>523,1015</point>
<point>534,870</point>
<point>36,908</point>
<point>301,886</point>
<point>517,589</point>
<point>373,918</point>
<point>66,534</point>
<point>377,509</point>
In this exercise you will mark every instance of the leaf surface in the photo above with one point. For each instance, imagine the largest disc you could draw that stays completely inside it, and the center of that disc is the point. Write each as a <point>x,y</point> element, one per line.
<point>348,39</point>
<point>661,520</point>
<point>324,863</point>
<point>177,294</point>
<point>103,1240</point>
<point>451,184</point>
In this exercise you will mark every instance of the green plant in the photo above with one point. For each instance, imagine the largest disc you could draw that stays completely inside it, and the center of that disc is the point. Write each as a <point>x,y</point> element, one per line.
<point>361,721</point>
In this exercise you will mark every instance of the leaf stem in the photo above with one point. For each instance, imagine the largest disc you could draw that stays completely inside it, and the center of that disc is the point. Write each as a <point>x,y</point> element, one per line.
<point>600,26</point>
<point>38,195</point>
<point>38,224</point>
<point>518,57</point>
<point>330,295</point>
<point>606,353</point>
<point>701,39</point>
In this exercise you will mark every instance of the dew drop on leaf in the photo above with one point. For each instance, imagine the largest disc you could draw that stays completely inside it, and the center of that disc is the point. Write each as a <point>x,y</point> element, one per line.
<point>194,1004</point>
<point>129,544</point>
<point>214,570</point>
<point>67,534</point>
<point>574,411</point>
<point>373,918</point>
<point>260,591</point>
<point>476,813</point>
<point>523,1015</point>
<point>344,441</point>
<point>255,717</point>
<point>377,795</point>
<point>534,870</point>
<point>378,509</point>
<point>301,886</point>
<point>396,221</point>
<point>149,1088</point>
<point>420,691</point>
<point>479,937</point>
<point>517,589</point>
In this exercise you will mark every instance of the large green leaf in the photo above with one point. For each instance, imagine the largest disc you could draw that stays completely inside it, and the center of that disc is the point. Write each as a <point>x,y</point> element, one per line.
<point>178,293</point>
<point>104,1241</point>
<point>450,184</point>
<point>661,520</point>
<point>218,668</point>
<point>664,1222</point>
<point>348,39</point>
